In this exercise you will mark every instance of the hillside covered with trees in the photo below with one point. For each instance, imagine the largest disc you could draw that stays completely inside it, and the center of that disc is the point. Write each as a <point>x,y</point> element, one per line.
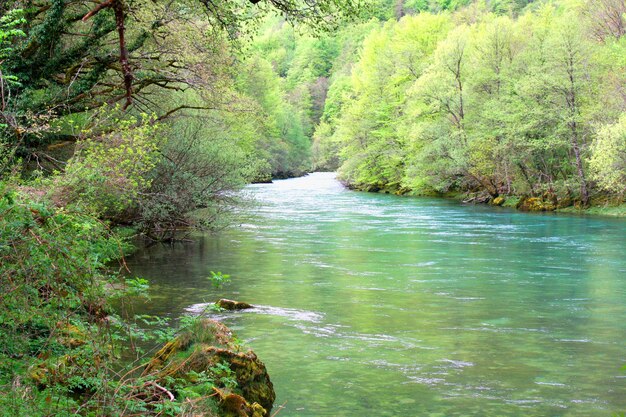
<point>497,99</point>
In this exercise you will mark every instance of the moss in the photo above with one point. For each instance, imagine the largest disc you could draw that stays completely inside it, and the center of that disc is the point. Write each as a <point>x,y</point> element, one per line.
<point>498,201</point>
<point>234,405</point>
<point>232,305</point>
<point>205,345</point>
<point>535,204</point>
<point>71,336</point>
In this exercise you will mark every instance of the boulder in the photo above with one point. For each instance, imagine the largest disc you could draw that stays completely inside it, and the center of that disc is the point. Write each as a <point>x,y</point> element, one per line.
<point>232,305</point>
<point>233,405</point>
<point>208,344</point>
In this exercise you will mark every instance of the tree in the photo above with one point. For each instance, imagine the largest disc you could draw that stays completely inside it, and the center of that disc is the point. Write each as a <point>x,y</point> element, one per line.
<point>68,63</point>
<point>607,18</point>
<point>571,84</point>
<point>370,128</point>
<point>608,160</point>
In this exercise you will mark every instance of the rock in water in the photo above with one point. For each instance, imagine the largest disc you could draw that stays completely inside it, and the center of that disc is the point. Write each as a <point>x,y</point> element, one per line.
<point>232,305</point>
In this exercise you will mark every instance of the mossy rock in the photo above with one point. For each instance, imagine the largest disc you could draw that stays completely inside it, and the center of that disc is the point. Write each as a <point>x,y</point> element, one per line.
<point>205,345</point>
<point>227,304</point>
<point>202,332</point>
<point>498,201</point>
<point>535,204</point>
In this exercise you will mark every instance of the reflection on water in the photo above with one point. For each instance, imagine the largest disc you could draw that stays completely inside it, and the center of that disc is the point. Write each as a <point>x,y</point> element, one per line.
<point>376,305</point>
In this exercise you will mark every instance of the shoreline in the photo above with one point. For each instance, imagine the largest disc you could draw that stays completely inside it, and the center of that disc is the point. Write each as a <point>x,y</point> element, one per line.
<point>525,204</point>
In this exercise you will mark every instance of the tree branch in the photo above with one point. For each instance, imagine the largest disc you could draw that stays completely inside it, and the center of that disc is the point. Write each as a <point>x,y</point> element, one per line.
<point>120,17</point>
<point>98,8</point>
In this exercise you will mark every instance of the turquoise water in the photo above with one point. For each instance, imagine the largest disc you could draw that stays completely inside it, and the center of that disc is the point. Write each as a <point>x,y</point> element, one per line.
<point>376,305</point>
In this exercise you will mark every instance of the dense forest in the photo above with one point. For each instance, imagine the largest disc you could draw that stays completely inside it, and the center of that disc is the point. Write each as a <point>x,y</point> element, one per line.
<point>512,101</point>
<point>501,99</point>
<point>493,98</point>
<point>122,118</point>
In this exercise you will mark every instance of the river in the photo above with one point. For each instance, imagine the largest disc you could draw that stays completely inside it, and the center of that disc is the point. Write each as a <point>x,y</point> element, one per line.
<point>377,305</point>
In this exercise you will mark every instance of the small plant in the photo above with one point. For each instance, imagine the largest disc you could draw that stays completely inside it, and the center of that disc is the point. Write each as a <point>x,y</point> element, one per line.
<point>137,286</point>
<point>224,375</point>
<point>215,308</point>
<point>218,279</point>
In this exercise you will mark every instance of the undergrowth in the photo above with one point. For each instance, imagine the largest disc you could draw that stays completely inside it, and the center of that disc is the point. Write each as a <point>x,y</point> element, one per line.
<point>61,344</point>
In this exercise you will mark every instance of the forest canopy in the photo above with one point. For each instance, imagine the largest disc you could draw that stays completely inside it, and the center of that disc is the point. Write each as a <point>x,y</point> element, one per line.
<point>492,98</point>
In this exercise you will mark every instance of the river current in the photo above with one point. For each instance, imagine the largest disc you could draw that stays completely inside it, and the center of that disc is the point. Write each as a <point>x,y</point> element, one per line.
<point>376,305</point>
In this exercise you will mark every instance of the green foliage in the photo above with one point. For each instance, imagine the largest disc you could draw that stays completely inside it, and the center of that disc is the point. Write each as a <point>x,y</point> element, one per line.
<point>282,140</point>
<point>50,259</point>
<point>9,31</point>
<point>226,377</point>
<point>51,276</point>
<point>60,341</point>
<point>193,184</point>
<point>608,161</point>
<point>137,286</point>
<point>523,105</point>
<point>218,279</point>
<point>109,172</point>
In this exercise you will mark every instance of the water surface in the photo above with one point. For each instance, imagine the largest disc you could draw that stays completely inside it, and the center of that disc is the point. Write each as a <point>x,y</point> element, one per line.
<point>376,305</point>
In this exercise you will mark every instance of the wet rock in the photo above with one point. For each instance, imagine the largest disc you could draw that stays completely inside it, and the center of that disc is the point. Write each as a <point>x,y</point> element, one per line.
<point>232,305</point>
<point>251,375</point>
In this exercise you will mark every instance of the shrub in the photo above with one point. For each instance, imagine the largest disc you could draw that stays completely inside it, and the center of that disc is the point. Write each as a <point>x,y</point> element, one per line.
<point>194,185</point>
<point>109,172</point>
<point>608,161</point>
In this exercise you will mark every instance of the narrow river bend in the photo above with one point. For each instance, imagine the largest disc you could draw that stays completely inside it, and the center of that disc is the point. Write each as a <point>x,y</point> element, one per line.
<point>375,305</point>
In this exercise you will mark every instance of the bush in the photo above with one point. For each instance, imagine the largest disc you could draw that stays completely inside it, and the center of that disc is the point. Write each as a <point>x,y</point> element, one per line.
<point>59,340</point>
<point>608,161</point>
<point>109,172</point>
<point>51,299</point>
<point>194,184</point>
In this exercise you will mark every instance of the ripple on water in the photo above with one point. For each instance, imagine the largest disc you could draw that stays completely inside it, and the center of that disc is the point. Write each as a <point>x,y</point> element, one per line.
<point>288,313</point>
<point>456,363</point>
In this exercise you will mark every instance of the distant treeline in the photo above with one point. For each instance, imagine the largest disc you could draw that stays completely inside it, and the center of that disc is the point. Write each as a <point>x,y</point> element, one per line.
<point>498,98</point>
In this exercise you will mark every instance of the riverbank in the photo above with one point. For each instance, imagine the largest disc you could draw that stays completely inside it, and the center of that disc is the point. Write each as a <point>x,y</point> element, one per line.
<point>61,341</point>
<point>599,206</point>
